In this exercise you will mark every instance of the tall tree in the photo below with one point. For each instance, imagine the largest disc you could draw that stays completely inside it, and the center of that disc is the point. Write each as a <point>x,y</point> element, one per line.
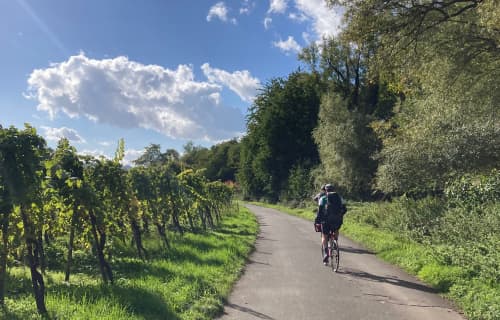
<point>353,97</point>
<point>279,134</point>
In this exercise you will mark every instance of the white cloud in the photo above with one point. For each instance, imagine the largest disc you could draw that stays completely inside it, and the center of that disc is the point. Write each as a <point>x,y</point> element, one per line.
<point>277,6</point>
<point>325,21</point>
<point>267,22</point>
<point>96,153</point>
<point>129,94</point>
<point>290,45</point>
<point>105,143</point>
<point>55,134</point>
<point>299,17</point>
<point>130,156</point>
<point>241,82</point>
<point>247,6</point>
<point>220,11</point>
<point>307,37</point>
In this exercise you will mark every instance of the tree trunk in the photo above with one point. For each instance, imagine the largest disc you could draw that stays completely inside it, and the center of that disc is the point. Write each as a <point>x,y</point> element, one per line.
<point>36,277</point>
<point>102,260</point>
<point>40,251</point>
<point>136,232</point>
<point>201,213</point>
<point>210,219</point>
<point>175,219</point>
<point>70,247</point>
<point>190,219</point>
<point>100,242</point>
<point>163,234</point>
<point>3,256</point>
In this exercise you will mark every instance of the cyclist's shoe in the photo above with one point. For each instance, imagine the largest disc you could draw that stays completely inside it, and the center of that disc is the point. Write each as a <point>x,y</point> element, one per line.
<point>325,259</point>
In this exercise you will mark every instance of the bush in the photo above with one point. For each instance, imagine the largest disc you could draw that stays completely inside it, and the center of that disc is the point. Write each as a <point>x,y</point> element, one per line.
<point>474,190</point>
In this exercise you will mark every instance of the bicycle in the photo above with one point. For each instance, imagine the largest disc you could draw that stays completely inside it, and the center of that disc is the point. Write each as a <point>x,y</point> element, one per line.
<point>333,252</point>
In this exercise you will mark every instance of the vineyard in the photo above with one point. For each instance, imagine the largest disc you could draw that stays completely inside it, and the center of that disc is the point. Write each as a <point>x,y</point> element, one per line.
<point>60,210</point>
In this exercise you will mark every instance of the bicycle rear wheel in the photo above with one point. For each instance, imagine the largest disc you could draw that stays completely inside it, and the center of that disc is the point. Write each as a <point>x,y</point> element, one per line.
<point>335,256</point>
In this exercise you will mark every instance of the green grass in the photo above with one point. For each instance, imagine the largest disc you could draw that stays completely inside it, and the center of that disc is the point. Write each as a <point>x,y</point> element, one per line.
<point>190,281</point>
<point>479,299</point>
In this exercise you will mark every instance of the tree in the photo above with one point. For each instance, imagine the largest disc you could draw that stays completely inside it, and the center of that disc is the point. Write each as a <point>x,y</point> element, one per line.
<point>353,97</point>
<point>22,154</point>
<point>223,161</point>
<point>195,156</point>
<point>152,155</point>
<point>279,128</point>
<point>442,57</point>
<point>66,174</point>
<point>464,30</point>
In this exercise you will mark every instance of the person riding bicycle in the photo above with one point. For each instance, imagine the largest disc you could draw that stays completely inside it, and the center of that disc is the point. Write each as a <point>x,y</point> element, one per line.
<point>320,194</point>
<point>330,216</point>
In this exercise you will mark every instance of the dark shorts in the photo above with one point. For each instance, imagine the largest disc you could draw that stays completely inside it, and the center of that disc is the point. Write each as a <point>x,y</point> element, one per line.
<point>331,226</point>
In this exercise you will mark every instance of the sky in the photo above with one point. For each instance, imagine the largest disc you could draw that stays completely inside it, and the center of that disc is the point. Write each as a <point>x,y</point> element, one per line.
<point>164,72</point>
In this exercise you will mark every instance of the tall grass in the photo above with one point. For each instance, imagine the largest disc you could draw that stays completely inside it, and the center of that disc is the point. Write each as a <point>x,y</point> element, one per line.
<point>189,281</point>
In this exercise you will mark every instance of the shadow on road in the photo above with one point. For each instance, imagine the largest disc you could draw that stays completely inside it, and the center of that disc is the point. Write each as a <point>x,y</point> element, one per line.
<point>386,279</point>
<point>264,238</point>
<point>249,311</point>
<point>250,261</point>
<point>354,250</point>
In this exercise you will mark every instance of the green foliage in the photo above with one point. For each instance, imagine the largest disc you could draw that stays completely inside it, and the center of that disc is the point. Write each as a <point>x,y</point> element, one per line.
<point>299,185</point>
<point>445,132</point>
<point>345,144</point>
<point>279,136</point>
<point>85,208</point>
<point>195,156</point>
<point>474,190</point>
<point>223,161</point>
<point>441,277</point>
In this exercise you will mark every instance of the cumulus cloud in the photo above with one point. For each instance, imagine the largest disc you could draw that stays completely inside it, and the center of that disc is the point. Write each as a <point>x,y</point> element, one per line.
<point>277,6</point>
<point>128,159</point>
<point>240,82</point>
<point>55,134</point>
<point>325,21</point>
<point>129,94</point>
<point>130,156</point>
<point>288,46</point>
<point>220,11</point>
<point>96,153</point>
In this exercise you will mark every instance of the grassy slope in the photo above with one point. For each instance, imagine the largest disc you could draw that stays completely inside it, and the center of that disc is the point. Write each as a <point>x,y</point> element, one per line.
<point>190,281</point>
<point>477,299</point>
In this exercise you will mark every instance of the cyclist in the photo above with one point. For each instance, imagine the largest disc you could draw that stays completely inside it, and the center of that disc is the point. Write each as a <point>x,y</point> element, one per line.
<point>329,215</point>
<point>320,194</point>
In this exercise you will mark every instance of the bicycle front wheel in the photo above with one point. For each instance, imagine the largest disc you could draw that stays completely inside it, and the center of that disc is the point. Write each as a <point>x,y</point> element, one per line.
<point>335,255</point>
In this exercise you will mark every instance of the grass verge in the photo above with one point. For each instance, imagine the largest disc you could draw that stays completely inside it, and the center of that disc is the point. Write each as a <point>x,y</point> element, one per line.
<point>189,281</point>
<point>478,299</point>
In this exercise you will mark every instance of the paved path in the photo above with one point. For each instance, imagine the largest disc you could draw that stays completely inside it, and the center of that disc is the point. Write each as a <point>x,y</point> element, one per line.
<point>285,279</point>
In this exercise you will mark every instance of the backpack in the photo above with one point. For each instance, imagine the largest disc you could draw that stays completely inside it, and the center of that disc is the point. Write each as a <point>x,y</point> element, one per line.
<point>333,208</point>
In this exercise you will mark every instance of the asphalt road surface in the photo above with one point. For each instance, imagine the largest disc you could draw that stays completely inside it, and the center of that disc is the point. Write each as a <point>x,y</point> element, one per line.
<point>285,279</point>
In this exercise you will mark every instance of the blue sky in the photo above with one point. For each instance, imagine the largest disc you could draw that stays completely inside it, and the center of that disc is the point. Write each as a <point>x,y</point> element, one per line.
<point>164,72</point>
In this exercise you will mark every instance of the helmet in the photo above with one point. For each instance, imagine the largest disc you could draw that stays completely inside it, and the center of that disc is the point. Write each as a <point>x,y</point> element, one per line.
<point>323,187</point>
<point>329,187</point>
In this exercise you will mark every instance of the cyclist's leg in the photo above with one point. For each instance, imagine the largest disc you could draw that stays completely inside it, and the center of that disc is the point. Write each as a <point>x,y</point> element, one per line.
<point>324,240</point>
